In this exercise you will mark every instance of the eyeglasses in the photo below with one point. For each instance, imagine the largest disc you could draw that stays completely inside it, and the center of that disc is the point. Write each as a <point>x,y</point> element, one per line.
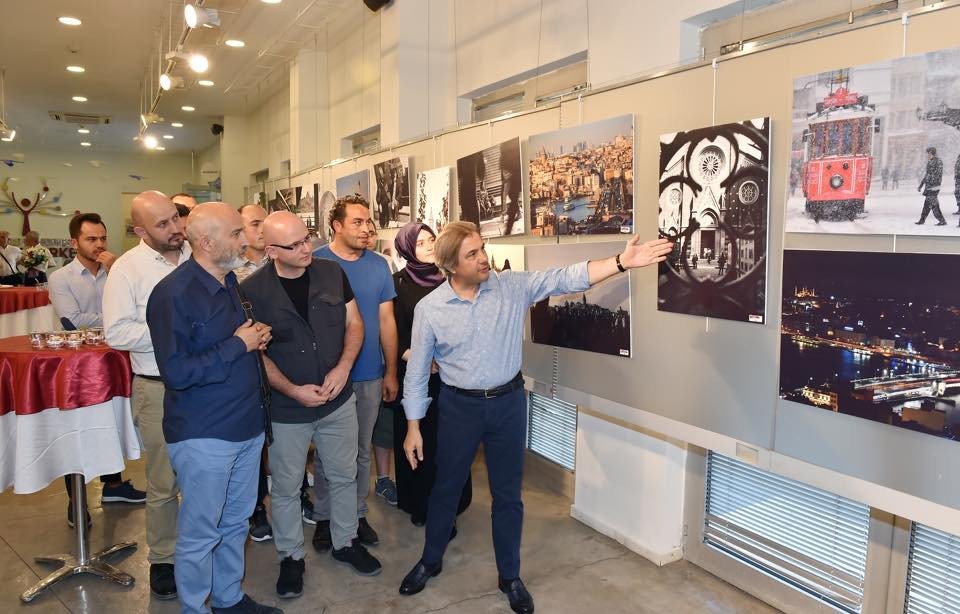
<point>296,244</point>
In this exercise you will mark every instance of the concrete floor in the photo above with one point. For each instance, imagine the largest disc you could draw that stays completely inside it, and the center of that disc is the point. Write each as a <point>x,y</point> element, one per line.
<point>567,566</point>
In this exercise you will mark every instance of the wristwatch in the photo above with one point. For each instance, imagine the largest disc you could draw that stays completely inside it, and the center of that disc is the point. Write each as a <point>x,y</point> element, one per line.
<point>619,265</point>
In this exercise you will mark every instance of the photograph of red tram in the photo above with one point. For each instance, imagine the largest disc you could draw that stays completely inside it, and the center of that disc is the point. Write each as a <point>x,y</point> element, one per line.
<point>875,148</point>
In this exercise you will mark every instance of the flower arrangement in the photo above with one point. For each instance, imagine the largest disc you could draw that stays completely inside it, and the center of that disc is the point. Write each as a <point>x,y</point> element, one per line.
<point>32,257</point>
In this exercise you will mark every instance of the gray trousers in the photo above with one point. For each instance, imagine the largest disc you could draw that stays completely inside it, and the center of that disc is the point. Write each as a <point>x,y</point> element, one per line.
<point>369,396</point>
<point>335,438</point>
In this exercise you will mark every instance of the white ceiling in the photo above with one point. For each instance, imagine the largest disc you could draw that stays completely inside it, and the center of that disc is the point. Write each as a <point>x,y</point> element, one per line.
<point>120,43</point>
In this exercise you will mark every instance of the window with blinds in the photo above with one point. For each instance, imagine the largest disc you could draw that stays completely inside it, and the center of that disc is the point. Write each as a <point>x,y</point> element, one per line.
<point>552,429</point>
<point>813,540</point>
<point>933,572</point>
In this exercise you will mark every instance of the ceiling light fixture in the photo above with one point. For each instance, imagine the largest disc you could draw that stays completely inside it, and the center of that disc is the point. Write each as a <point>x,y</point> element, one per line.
<point>76,69</point>
<point>167,82</point>
<point>205,83</point>
<point>198,62</point>
<point>69,21</point>
<point>233,42</point>
<point>150,142</point>
<point>168,136</point>
<point>160,148</point>
<point>196,16</point>
<point>177,125</point>
<point>83,130</point>
<point>187,108</point>
<point>79,98</point>
<point>84,144</point>
<point>8,139</point>
<point>271,1</point>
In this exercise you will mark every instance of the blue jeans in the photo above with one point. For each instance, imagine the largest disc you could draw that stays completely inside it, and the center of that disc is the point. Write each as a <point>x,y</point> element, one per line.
<point>218,483</point>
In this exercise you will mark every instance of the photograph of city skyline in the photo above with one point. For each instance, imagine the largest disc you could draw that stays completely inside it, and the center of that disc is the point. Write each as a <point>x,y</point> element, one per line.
<point>713,206</point>
<point>873,335</point>
<point>595,320</point>
<point>581,179</point>
<point>357,183</point>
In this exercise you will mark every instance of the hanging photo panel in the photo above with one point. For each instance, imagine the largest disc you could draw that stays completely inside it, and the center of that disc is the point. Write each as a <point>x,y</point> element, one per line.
<point>490,189</point>
<point>595,320</point>
<point>357,183</point>
<point>433,198</point>
<point>392,206</point>
<point>581,179</point>
<point>714,206</point>
<point>876,148</point>
<point>873,335</point>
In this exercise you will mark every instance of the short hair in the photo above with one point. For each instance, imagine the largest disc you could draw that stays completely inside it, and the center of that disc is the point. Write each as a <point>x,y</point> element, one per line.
<point>179,194</point>
<point>182,210</point>
<point>932,150</point>
<point>338,212</point>
<point>80,219</point>
<point>447,249</point>
<point>32,234</point>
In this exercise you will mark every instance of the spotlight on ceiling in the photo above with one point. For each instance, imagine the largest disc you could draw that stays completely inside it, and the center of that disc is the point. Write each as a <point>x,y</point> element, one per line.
<point>150,141</point>
<point>271,1</point>
<point>69,21</point>
<point>76,69</point>
<point>187,108</point>
<point>7,134</point>
<point>84,144</point>
<point>168,136</point>
<point>79,99</point>
<point>177,125</point>
<point>205,83</point>
<point>160,148</point>
<point>196,16</point>
<point>234,42</point>
<point>83,130</point>
<point>198,62</point>
<point>168,82</point>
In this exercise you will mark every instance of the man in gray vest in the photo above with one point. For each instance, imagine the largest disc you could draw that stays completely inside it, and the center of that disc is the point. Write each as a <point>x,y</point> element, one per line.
<point>316,338</point>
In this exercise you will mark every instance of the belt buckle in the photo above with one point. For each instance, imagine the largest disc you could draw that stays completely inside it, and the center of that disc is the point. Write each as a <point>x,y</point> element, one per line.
<point>487,393</point>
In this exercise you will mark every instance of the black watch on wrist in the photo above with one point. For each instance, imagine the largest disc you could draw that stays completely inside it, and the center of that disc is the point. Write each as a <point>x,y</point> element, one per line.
<point>620,266</point>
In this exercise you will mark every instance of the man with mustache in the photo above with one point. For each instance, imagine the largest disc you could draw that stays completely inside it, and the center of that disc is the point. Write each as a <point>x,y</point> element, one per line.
<point>128,287</point>
<point>214,418</point>
<point>76,291</point>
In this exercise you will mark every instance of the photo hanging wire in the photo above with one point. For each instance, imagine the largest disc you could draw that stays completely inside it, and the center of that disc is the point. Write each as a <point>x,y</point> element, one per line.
<point>905,21</point>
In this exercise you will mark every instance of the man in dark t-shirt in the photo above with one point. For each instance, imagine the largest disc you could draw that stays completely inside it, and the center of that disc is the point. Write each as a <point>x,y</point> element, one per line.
<point>316,339</point>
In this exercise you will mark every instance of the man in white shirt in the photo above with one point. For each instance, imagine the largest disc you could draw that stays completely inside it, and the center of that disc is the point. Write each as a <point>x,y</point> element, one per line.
<point>32,239</point>
<point>76,289</point>
<point>9,254</point>
<point>255,254</point>
<point>132,278</point>
<point>76,292</point>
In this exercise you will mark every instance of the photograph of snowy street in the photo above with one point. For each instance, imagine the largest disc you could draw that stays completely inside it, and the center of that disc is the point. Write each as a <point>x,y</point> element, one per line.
<point>876,148</point>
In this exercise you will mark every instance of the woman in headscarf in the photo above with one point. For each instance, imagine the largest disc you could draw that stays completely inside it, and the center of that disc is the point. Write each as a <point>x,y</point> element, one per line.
<point>414,242</point>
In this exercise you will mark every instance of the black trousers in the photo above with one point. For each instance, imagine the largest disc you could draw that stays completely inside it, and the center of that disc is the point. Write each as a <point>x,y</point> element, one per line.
<point>113,478</point>
<point>464,422</point>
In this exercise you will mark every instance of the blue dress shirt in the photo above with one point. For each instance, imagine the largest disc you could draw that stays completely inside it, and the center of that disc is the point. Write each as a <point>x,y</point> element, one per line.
<point>77,294</point>
<point>477,344</point>
<point>212,381</point>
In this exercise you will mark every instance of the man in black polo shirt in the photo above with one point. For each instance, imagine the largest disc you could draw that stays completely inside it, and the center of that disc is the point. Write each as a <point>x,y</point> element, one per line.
<point>317,334</point>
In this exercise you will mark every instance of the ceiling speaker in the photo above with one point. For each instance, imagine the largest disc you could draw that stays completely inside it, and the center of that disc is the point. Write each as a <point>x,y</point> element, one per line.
<point>376,5</point>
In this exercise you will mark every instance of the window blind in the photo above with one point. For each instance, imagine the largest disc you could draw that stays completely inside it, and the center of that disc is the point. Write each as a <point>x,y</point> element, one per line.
<point>933,572</point>
<point>552,429</point>
<point>811,539</point>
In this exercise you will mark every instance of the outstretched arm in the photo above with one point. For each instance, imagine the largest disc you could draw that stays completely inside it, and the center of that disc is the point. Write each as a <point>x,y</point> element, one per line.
<point>635,255</point>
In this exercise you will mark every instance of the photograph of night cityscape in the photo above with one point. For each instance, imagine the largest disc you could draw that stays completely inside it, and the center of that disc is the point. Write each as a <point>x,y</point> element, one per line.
<point>581,179</point>
<point>873,335</point>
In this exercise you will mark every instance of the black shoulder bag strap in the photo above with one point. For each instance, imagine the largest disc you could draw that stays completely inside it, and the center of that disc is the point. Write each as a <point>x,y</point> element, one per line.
<point>265,399</point>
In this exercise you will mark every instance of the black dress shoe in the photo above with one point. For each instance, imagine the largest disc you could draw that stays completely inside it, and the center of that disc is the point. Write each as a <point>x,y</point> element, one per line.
<point>163,584</point>
<point>520,600</point>
<point>453,533</point>
<point>416,580</point>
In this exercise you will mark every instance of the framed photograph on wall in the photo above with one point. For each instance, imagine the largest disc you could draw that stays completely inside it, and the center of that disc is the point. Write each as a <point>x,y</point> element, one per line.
<point>391,206</point>
<point>433,198</point>
<point>490,189</point>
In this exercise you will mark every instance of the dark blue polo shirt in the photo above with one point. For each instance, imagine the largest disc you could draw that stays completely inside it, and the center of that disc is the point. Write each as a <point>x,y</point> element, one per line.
<point>212,382</point>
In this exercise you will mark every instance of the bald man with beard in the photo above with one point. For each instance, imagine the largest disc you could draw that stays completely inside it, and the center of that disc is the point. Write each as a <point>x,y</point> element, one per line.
<point>317,340</point>
<point>131,281</point>
<point>214,418</point>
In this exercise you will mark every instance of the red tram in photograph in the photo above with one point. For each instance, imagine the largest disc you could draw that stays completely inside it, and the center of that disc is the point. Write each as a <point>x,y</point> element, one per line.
<point>838,157</point>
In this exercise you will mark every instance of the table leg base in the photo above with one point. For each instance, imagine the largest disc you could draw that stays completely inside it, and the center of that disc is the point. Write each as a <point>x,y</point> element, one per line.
<point>70,566</point>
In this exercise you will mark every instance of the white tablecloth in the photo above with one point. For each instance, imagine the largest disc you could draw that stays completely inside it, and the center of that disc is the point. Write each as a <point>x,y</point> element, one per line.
<point>27,320</point>
<point>36,449</point>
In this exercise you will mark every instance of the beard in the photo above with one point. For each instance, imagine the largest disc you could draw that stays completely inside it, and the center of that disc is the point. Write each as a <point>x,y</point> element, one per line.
<point>228,259</point>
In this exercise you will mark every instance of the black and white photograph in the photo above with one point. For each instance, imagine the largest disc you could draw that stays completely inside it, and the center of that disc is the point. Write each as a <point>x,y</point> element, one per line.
<point>581,179</point>
<point>324,205</point>
<point>714,208</point>
<point>307,201</point>
<point>357,183</point>
<point>392,206</point>
<point>490,189</point>
<point>284,199</point>
<point>875,148</point>
<point>433,198</point>
<point>595,320</point>
<point>505,256</point>
<point>873,335</point>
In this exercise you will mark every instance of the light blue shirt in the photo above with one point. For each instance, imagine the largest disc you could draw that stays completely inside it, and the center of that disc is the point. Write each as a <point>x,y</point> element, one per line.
<point>477,344</point>
<point>77,294</point>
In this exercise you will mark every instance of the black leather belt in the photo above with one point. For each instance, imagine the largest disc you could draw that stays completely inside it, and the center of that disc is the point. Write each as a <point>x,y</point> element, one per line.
<point>152,378</point>
<point>491,393</point>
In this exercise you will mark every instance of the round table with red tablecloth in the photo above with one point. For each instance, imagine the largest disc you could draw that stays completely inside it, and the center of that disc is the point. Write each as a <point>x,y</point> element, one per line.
<point>23,310</point>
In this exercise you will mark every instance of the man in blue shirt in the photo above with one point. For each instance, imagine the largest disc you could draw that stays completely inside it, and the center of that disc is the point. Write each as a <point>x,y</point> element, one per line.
<point>374,373</point>
<point>213,415</point>
<point>472,328</point>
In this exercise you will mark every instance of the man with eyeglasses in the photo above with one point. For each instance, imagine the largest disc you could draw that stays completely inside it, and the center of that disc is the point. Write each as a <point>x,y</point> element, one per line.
<point>374,373</point>
<point>317,336</point>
